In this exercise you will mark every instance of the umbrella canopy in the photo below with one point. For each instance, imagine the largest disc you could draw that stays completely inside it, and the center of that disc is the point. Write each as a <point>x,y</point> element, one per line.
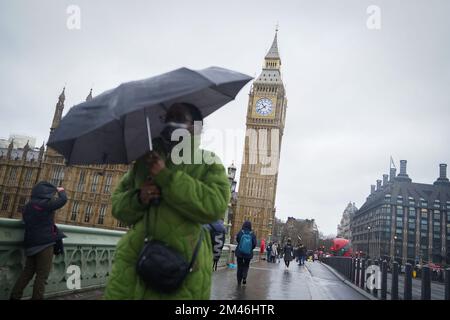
<point>116,126</point>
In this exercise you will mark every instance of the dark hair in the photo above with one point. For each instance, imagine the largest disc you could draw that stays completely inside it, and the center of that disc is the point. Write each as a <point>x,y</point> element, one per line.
<point>195,112</point>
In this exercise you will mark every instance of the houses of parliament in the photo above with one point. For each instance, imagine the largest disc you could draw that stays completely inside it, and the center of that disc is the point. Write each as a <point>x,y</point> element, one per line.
<point>89,188</point>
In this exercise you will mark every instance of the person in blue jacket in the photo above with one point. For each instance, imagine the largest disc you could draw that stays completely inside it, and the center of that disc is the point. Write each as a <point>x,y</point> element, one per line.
<point>246,240</point>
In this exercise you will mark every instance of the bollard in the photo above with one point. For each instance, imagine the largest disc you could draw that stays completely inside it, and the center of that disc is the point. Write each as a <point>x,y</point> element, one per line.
<point>375,290</point>
<point>426,283</point>
<point>369,262</point>
<point>394,283</point>
<point>352,271</point>
<point>384,280</point>
<point>407,291</point>
<point>362,280</point>
<point>358,271</point>
<point>447,284</point>
<point>348,266</point>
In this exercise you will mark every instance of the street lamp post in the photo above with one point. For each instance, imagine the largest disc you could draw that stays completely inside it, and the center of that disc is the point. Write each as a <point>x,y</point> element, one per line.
<point>395,248</point>
<point>231,178</point>
<point>368,244</point>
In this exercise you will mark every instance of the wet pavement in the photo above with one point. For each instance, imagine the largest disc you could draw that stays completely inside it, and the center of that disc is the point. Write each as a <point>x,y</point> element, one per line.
<point>267,281</point>
<point>272,281</point>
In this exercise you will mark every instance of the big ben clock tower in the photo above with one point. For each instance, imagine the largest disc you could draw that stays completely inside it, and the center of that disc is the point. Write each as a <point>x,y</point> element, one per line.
<point>266,114</point>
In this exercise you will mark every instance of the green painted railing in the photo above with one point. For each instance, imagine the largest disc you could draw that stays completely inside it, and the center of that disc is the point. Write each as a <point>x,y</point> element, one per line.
<point>91,249</point>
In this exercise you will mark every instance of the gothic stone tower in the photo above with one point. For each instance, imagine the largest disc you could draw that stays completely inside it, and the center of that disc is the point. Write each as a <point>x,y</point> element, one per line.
<point>266,114</point>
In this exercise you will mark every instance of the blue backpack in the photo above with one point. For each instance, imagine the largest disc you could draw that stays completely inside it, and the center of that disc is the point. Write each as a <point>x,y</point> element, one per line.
<point>246,243</point>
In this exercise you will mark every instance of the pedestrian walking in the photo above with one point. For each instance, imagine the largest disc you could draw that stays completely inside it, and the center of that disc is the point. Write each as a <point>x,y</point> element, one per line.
<point>262,249</point>
<point>301,255</point>
<point>42,239</point>
<point>274,252</point>
<point>288,251</point>
<point>269,252</point>
<point>246,240</point>
<point>217,232</point>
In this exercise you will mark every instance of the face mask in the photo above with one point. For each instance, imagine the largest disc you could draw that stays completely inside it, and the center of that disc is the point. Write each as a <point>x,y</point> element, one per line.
<point>166,133</point>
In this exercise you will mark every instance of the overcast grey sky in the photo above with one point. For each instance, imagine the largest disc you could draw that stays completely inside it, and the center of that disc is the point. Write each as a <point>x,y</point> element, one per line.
<point>355,96</point>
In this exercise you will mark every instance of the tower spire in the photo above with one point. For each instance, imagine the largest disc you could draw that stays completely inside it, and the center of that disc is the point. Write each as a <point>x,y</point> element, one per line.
<point>273,51</point>
<point>89,97</point>
<point>58,110</point>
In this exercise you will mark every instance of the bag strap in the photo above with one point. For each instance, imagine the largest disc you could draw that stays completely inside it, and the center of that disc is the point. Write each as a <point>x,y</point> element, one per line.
<point>197,247</point>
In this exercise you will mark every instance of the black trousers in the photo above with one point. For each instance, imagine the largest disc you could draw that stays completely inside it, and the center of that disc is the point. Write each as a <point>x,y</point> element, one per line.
<point>243,265</point>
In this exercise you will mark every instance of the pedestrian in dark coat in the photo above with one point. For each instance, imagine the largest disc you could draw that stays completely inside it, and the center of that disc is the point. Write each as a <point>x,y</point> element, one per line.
<point>243,259</point>
<point>288,252</point>
<point>42,239</point>
<point>302,254</point>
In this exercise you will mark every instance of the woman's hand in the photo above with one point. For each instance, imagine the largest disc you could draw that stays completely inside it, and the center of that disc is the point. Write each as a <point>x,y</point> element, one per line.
<point>59,189</point>
<point>155,163</point>
<point>149,192</point>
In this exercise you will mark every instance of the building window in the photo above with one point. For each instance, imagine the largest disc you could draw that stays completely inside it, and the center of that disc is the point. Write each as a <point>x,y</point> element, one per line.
<point>28,177</point>
<point>57,176</point>
<point>12,176</point>
<point>424,213</point>
<point>94,182</point>
<point>108,183</point>
<point>80,186</point>
<point>73,216</point>
<point>21,205</point>
<point>5,203</point>
<point>88,214</point>
<point>101,216</point>
<point>437,215</point>
<point>423,203</point>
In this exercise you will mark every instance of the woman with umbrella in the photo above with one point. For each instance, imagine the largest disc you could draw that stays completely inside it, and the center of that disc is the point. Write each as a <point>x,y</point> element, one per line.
<point>167,253</point>
<point>180,198</point>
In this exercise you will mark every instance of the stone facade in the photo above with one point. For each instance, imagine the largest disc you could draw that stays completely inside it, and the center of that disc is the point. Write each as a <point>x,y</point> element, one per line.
<point>88,188</point>
<point>266,113</point>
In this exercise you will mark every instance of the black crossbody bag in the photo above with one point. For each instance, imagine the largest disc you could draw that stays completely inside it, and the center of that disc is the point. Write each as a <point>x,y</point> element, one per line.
<point>160,266</point>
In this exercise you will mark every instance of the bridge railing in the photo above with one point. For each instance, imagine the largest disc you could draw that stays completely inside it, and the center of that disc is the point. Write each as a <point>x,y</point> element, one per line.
<point>90,249</point>
<point>372,276</point>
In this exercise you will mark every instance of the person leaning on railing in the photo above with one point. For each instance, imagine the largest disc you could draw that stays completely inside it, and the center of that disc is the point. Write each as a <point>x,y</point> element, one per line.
<point>42,239</point>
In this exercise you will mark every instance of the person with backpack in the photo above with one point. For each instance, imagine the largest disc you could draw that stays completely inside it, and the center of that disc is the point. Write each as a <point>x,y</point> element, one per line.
<point>246,240</point>
<point>288,252</point>
<point>217,232</point>
<point>42,239</point>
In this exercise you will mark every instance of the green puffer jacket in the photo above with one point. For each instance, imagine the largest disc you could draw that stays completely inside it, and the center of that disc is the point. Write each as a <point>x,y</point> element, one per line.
<point>191,195</point>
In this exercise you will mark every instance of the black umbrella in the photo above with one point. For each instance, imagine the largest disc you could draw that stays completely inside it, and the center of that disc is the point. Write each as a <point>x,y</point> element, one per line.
<point>116,127</point>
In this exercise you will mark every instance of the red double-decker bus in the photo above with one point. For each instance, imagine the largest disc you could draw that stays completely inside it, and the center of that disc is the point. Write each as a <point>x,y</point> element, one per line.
<point>341,247</point>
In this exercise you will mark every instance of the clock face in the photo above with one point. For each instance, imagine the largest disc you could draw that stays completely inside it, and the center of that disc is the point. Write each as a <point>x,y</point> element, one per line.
<point>264,106</point>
